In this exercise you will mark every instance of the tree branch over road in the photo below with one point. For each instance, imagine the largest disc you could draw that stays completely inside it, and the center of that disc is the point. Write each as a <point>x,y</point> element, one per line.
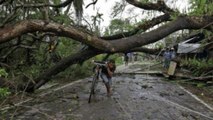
<point>143,26</point>
<point>27,26</point>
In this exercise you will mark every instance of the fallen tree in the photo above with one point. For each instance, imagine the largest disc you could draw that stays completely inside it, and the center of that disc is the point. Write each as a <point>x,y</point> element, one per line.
<point>119,43</point>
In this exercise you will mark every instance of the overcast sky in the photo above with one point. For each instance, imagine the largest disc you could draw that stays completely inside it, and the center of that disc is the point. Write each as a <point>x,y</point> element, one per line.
<point>105,7</point>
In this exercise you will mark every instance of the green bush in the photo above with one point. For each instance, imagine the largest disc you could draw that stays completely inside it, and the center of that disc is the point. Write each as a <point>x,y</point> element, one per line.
<point>3,73</point>
<point>197,66</point>
<point>77,71</point>
<point>4,92</point>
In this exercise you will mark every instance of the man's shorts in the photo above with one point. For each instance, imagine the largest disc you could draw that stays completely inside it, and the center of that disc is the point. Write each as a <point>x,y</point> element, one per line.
<point>106,79</point>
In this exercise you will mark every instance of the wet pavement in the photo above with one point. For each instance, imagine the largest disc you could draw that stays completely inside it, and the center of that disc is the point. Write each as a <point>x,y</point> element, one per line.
<point>135,97</point>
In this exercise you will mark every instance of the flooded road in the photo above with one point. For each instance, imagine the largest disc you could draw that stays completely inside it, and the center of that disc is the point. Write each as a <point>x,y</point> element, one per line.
<point>135,97</point>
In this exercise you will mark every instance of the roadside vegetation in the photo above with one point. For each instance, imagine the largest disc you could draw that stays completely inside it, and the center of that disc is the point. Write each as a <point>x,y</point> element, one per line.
<point>4,91</point>
<point>199,67</point>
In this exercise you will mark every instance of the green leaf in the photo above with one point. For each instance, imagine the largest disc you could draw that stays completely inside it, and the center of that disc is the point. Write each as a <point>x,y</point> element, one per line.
<point>3,73</point>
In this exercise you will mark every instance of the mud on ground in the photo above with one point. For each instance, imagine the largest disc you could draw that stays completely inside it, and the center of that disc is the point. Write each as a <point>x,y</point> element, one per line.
<point>135,97</point>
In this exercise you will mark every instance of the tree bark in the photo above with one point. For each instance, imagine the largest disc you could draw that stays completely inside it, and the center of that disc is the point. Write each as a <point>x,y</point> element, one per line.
<point>76,58</point>
<point>141,27</point>
<point>60,66</point>
<point>119,45</point>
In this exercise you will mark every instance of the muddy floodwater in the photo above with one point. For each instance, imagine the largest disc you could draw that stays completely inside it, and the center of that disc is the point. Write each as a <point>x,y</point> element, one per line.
<point>135,97</point>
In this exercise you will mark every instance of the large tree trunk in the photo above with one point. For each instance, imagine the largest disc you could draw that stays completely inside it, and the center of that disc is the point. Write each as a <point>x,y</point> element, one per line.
<point>60,66</point>
<point>76,58</point>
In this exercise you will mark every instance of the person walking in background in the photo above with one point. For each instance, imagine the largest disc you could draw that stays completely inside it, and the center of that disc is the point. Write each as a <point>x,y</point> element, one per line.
<point>126,59</point>
<point>167,58</point>
<point>135,56</point>
<point>130,56</point>
<point>173,53</point>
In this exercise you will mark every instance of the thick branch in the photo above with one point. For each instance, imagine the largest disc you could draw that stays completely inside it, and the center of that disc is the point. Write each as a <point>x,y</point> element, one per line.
<point>159,6</point>
<point>11,32</point>
<point>93,3</point>
<point>61,66</point>
<point>119,45</point>
<point>79,57</point>
<point>144,26</point>
<point>146,50</point>
<point>64,4</point>
<point>161,32</point>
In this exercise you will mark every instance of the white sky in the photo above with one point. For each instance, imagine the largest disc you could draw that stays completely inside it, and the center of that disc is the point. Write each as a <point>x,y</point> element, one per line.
<point>102,6</point>
<point>105,7</point>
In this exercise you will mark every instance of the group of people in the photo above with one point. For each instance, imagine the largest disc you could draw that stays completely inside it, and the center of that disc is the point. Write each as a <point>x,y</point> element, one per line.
<point>168,55</point>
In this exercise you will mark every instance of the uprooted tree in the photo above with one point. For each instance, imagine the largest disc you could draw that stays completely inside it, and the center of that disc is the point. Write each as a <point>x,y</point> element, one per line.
<point>25,24</point>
